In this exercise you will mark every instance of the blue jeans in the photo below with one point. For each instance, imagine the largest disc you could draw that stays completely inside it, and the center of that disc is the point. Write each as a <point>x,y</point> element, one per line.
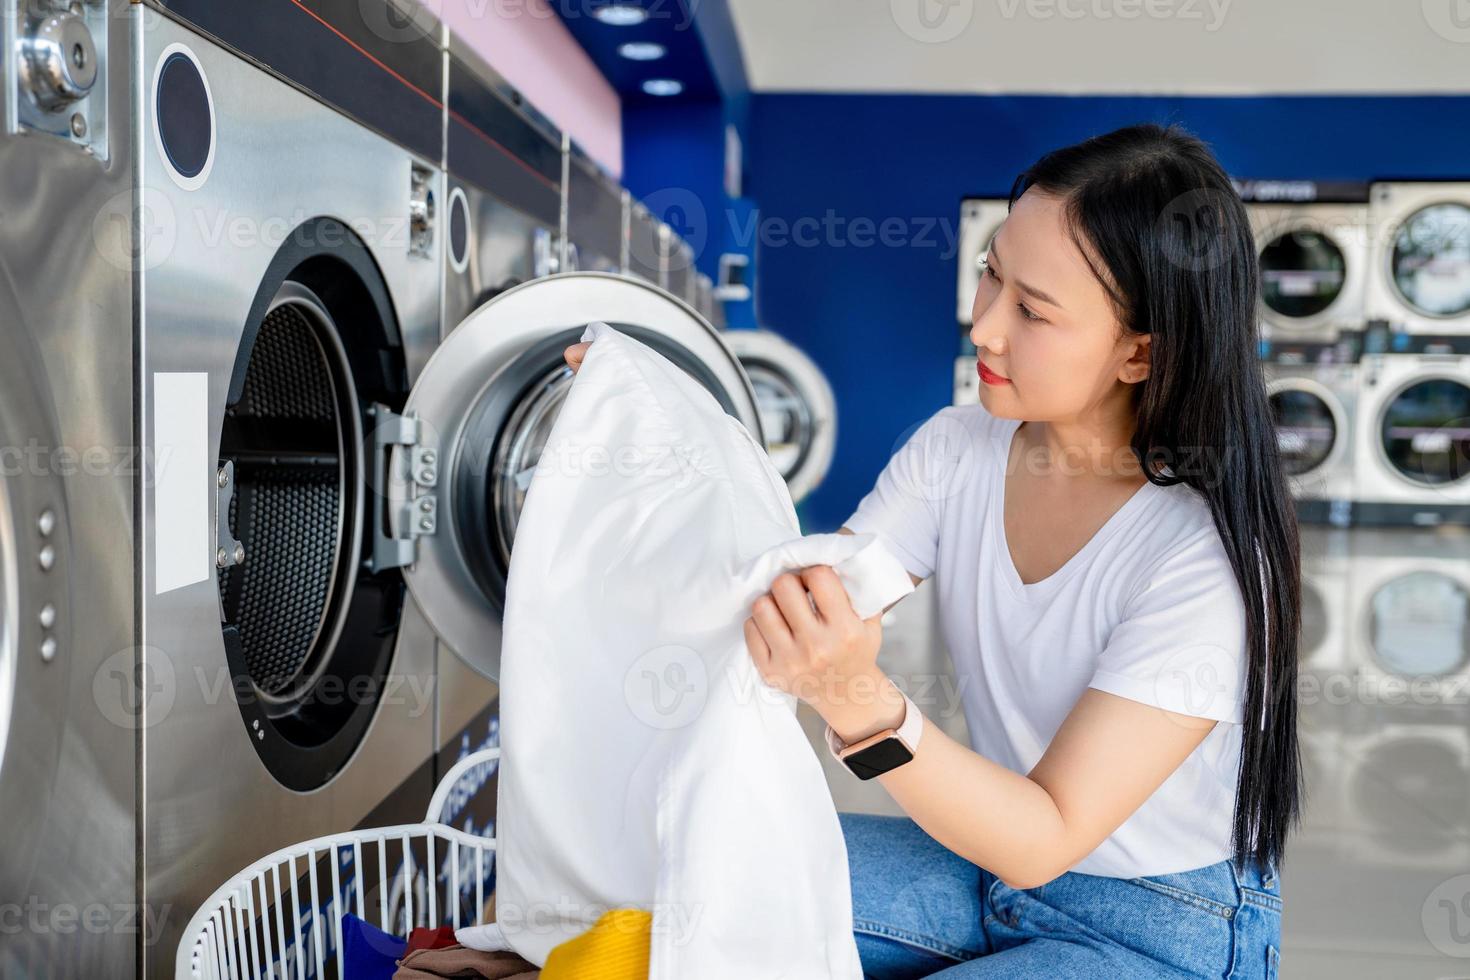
<point>920,910</point>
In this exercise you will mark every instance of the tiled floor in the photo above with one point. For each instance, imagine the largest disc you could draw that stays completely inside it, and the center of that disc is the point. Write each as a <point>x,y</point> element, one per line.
<point>1377,881</point>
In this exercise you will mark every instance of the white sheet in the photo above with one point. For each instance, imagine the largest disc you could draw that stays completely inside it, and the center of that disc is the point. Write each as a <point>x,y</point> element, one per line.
<point>645,764</point>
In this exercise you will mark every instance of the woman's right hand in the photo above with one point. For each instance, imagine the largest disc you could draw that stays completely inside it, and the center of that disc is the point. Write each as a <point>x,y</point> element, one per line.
<point>575,353</point>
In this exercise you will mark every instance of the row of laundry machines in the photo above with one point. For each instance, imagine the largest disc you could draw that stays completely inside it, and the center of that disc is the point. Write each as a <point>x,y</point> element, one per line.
<point>1365,340</point>
<point>286,289</point>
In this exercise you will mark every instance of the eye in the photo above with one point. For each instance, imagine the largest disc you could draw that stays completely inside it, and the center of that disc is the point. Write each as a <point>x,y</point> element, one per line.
<point>986,270</point>
<point>1026,314</point>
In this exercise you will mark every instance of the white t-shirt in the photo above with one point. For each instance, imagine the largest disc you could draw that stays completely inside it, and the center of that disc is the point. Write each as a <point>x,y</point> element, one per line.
<point>1148,610</point>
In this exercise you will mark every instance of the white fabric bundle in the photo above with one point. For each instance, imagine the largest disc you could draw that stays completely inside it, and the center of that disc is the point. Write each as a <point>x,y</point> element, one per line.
<point>645,763</point>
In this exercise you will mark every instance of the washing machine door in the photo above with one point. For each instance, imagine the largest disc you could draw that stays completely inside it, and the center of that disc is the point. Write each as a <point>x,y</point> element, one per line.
<point>461,456</point>
<point>798,410</point>
<point>35,606</point>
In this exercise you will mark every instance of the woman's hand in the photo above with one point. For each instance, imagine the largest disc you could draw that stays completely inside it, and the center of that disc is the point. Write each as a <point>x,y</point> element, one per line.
<point>815,653</point>
<point>575,354</point>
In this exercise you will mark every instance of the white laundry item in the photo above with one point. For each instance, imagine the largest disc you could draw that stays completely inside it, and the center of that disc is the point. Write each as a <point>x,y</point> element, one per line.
<point>645,764</point>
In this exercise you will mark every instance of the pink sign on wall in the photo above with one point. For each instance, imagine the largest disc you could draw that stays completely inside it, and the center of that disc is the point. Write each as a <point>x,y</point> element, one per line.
<point>526,42</point>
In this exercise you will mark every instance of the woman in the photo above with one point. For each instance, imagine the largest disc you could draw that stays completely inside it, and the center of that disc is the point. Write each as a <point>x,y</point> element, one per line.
<point>1116,559</point>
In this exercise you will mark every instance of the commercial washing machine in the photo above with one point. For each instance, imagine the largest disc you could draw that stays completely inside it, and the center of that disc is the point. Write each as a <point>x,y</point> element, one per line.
<point>289,298</point>
<point>645,244</point>
<point>504,186</point>
<point>69,682</point>
<point>596,223</point>
<point>980,219</point>
<point>1413,435</point>
<point>677,260</point>
<point>1314,408</point>
<point>505,174</point>
<point>1420,263</point>
<point>798,409</point>
<point>1314,263</point>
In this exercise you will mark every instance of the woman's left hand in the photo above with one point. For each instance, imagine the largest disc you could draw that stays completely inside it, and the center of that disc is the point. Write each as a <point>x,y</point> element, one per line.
<point>812,653</point>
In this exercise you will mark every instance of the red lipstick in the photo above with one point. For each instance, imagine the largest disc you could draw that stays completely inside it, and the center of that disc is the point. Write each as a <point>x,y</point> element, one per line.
<point>989,376</point>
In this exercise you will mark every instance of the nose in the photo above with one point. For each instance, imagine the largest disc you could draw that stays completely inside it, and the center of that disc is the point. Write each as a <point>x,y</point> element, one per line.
<point>987,332</point>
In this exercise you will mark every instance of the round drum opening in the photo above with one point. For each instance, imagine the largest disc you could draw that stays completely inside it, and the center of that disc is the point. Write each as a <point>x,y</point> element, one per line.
<point>786,418</point>
<point>506,433</point>
<point>1306,429</point>
<point>1425,432</point>
<point>1419,625</point>
<point>293,437</point>
<point>1302,273</point>
<point>1430,265</point>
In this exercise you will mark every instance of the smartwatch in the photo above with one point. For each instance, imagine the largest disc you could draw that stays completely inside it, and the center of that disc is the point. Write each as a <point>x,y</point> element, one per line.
<point>884,751</point>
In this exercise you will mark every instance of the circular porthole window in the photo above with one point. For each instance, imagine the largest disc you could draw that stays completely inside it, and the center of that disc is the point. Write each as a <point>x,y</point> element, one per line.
<point>1306,429</point>
<point>1425,432</point>
<point>183,117</point>
<point>293,437</point>
<point>1430,264</point>
<point>1419,625</point>
<point>1302,273</point>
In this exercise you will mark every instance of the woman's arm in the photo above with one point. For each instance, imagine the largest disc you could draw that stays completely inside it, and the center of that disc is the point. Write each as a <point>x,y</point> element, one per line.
<point>1108,757</point>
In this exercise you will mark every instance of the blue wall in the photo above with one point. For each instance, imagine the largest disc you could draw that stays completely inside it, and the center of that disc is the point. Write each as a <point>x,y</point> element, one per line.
<point>880,318</point>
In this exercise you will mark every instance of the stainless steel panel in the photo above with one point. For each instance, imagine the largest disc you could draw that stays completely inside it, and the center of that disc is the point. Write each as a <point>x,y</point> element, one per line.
<point>66,245</point>
<point>210,806</point>
<point>594,217</point>
<point>506,247</point>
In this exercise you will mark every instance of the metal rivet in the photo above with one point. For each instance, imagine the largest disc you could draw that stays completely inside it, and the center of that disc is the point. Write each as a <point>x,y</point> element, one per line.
<point>47,558</point>
<point>221,477</point>
<point>427,476</point>
<point>239,553</point>
<point>255,723</point>
<point>428,456</point>
<point>426,504</point>
<point>46,523</point>
<point>48,649</point>
<point>48,616</point>
<point>426,524</point>
<point>78,125</point>
<point>221,558</point>
<point>260,735</point>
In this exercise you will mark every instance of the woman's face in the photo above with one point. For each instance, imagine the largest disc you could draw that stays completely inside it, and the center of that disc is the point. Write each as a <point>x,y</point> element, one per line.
<point>1043,322</point>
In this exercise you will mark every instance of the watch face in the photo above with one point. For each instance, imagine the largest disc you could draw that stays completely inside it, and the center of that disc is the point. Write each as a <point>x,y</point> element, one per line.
<point>877,759</point>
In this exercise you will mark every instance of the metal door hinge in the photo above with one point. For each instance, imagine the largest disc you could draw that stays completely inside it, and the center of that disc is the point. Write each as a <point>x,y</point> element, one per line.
<point>406,470</point>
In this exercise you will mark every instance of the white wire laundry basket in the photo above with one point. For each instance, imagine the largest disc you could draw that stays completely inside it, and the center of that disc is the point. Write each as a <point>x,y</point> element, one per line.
<point>274,919</point>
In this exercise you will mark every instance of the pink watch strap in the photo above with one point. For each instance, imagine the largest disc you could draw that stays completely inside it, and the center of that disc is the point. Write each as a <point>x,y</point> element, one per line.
<point>909,729</point>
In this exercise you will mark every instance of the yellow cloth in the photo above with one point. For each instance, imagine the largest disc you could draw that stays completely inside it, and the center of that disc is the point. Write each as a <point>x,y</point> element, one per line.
<point>615,948</point>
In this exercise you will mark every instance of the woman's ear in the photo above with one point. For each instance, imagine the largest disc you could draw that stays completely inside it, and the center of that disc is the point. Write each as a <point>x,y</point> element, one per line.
<point>1135,368</point>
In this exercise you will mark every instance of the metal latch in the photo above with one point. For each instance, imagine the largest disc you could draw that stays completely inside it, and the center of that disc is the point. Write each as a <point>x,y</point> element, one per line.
<point>421,212</point>
<point>56,70</point>
<point>408,505</point>
<point>228,552</point>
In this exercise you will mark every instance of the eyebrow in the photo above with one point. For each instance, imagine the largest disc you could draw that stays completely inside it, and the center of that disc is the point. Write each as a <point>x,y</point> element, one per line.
<point>1031,291</point>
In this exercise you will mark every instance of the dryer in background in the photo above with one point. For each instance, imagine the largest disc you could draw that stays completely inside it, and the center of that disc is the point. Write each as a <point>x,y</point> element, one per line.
<point>980,218</point>
<point>644,255</point>
<point>1420,273</point>
<point>1314,407</point>
<point>503,194</point>
<point>72,701</point>
<point>677,270</point>
<point>1413,438</point>
<point>1314,263</point>
<point>595,230</point>
<point>798,410</point>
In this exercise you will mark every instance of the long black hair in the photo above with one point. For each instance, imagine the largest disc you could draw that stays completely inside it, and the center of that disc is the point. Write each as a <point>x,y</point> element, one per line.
<point>1168,237</point>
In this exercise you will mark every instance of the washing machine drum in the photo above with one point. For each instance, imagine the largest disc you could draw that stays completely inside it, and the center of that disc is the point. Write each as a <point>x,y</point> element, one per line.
<point>35,604</point>
<point>1430,263</point>
<point>1419,625</point>
<point>1425,432</point>
<point>798,410</point>
<point>1306,429</point>
<point>478,419</point>
<point>1302,273</point>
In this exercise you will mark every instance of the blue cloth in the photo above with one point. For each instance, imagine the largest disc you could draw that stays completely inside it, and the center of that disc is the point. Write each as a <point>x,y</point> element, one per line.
<point>920,910</point>
<point>369,953</point>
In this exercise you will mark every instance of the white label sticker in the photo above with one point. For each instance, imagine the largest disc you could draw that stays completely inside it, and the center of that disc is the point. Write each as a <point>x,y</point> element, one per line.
<point>181,483</point>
